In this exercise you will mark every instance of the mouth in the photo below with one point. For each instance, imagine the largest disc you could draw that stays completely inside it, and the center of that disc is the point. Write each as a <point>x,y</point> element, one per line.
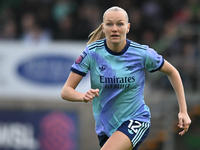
<point>114,36</point>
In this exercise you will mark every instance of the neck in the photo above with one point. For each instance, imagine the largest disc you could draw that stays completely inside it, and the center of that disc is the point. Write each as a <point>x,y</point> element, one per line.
<point>116,47</point>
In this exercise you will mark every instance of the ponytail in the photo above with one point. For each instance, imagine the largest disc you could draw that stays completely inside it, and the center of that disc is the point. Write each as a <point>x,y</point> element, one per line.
<point>96,35</point>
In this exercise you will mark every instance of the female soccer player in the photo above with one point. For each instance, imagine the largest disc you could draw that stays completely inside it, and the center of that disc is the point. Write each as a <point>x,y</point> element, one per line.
<point>117,70</point>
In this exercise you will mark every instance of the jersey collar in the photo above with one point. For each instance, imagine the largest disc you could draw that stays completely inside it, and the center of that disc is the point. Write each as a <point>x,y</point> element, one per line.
<point>117,53</point>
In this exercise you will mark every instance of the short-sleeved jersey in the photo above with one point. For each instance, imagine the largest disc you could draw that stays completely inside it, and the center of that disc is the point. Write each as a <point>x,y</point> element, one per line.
<point>120,78</point>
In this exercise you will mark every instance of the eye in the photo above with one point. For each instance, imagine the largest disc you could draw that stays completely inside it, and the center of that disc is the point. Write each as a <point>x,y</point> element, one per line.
<point>120,24</point>
<point>109,24</point>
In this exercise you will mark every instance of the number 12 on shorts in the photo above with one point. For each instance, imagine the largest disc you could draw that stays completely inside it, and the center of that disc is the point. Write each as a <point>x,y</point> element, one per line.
<point>134,125</point>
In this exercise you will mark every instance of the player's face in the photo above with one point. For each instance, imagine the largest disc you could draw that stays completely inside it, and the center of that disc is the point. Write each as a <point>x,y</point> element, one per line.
<point>115,27</point>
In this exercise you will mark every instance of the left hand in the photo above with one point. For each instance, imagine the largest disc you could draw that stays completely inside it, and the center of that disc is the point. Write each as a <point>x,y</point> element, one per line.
<point>88,97</point>
<point>184,122</point>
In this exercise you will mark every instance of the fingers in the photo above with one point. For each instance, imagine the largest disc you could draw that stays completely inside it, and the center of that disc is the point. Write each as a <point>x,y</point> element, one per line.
<point>90,95</point>
<point>184,127</point>
<point>184,123</point>
<point>97,92</point>
<point>180,124</point>
<point>184,131</point>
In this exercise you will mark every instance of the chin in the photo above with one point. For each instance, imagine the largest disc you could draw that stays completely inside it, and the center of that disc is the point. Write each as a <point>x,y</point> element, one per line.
<point>115,41</point>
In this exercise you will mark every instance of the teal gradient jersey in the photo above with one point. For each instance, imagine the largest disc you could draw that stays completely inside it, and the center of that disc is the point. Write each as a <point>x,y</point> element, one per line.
<point>120,78</point>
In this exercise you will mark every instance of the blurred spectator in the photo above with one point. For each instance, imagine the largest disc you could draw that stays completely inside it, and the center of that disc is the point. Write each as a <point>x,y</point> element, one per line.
<point>135,19</point>
<point>32,32</point>
<point>36,36</point>
<point>8,25</point>
<point>148,37</point>
<point>28,20</point>
<point>89,19</point>
<point>65,29</point>
<point>195,9</point>
<point>45,18</point>
<point>29,6</point>
<point>151,9</point>
<point>183,15</point>
<point>125,4</point>
<point>63,8</point>
<point>189,69</point>
<point>8,30</point>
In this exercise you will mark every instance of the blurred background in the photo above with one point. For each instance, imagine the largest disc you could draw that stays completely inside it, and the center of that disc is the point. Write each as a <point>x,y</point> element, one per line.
<point>39,41</point>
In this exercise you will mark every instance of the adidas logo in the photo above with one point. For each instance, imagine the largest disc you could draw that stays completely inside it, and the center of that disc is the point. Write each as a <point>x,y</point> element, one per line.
<point>102,68</point>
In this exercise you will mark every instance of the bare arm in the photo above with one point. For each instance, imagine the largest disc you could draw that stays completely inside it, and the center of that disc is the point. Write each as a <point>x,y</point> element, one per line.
<point>69,93</point>
<point>176,82</point>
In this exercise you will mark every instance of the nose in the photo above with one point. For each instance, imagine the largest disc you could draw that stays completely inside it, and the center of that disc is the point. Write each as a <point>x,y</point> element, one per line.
<point>114,29</point>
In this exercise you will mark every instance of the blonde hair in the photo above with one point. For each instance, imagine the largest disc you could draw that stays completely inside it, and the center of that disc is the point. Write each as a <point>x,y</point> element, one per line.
<point>98,34</point>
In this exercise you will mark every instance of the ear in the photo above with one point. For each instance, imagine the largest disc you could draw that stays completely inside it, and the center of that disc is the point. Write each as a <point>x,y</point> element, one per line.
<point>103,28</point>
<point>128,28</point>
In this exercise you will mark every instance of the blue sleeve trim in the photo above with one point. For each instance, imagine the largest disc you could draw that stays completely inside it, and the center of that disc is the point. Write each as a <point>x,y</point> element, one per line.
<point>77,71</point>
<point>158,67</point>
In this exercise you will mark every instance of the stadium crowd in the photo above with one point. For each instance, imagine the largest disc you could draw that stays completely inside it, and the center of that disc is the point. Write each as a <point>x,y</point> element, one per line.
<point>167,26</point>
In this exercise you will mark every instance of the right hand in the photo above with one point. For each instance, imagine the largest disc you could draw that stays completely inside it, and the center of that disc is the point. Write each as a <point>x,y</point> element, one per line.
<point>184,122</point>
<point>88,97</point>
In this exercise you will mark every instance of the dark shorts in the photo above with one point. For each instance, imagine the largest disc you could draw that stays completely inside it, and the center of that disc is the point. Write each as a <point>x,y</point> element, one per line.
<point>136,131</point>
